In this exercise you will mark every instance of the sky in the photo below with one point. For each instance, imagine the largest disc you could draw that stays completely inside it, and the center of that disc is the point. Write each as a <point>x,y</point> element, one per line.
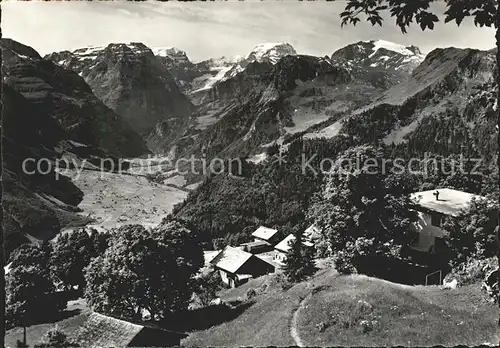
<point>214,29</point>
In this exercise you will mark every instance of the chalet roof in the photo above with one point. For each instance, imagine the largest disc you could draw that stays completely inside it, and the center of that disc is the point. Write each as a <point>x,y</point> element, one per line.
<point>264,233</point>
<point>285,244</point>
<point>312,232</point>
<point>231,259</point>
<point>210,255</point>
<point>450,202</point>
<point>256,243</point>
<point>102,331</point>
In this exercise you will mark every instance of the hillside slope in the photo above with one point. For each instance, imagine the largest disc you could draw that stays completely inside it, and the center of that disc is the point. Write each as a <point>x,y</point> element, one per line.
<point>33,204</point>
<point>68,100</point>
<point>332,308</point>
<point>447,106</point>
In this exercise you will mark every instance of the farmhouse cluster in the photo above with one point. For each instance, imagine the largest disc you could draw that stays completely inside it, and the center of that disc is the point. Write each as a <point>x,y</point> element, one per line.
<point>261,256</point>
<point>267,252</point>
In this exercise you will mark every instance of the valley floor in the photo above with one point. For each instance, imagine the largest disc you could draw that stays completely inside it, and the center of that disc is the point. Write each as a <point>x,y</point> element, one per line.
<point>115,199</point>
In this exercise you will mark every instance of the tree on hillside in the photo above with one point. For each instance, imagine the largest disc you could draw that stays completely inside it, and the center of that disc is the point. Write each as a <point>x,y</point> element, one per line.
<point>31,254</point>
<point>31,296</point>
<point>71,253</point>
<point>30,292</point>
<point>144,270</point>
<point>472,233</point>
<point>299,261</point>
<point>484,13</point>
<point>361,210</point>
<point>207,286</point>
<point>185,244</point>
<point>100,240</point>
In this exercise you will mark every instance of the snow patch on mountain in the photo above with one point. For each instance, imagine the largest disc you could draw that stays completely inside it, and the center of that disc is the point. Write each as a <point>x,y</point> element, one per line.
<point>258,158</point>
<point>211,80</point>
<point>264,52</point>
<point>390,46</point>
<point>90,52</point>
<point>167,51</point>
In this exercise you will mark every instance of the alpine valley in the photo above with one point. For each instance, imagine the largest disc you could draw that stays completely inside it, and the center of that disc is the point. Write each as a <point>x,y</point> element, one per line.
<point>127,101</point>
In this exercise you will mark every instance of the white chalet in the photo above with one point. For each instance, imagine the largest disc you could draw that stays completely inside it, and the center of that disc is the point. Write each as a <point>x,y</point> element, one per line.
<point>311,234</point>
<point>265,234</point>
<point>433,206</point>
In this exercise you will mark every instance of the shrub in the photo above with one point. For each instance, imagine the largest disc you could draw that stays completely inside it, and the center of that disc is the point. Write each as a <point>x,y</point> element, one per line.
<point>251,293</point>
<point>56,339</point>
<point>278,280</point>
<point>366,325</point>
<point>207,286</point>
<point>322,326</point>
<point>343,262</point>
<point>426,186</point>
<point>156,178</point>
<point>472,272</point>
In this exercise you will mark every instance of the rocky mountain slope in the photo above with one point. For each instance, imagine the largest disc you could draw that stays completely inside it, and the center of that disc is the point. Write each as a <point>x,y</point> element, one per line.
<point>272,98</point>
<point>34,204</point>
<point>261,108</point>
<point>129,79</point>
<point>263,53</point>
<point>50,112</point>
<point>446,106</point>
<point>75,111</point>
<point>193,77</point>
<point>379,62</point>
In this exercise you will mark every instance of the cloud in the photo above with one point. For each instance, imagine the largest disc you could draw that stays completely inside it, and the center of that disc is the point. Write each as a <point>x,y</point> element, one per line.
<point>213,29</point>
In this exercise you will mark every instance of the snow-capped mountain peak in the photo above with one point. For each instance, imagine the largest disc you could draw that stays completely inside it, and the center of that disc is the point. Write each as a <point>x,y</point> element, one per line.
<point>379,54</point>
<point>271,52</point>
<point>167,51</point>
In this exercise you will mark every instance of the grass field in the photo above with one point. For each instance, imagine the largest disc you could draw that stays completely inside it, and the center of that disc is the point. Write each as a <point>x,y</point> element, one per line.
<point>396,315</point>
<point>113,199</point>
<point>332,308</point>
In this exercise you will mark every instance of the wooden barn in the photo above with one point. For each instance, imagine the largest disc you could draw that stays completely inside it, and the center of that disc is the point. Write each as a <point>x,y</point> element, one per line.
<point>266,234</point>
<point>237,266</point>
<point>282,248</point>
<point>104,331</point>
<point>256,247</point>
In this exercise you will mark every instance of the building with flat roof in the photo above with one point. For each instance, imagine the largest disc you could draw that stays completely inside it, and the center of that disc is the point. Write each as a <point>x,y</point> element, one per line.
<point>432,207</point>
